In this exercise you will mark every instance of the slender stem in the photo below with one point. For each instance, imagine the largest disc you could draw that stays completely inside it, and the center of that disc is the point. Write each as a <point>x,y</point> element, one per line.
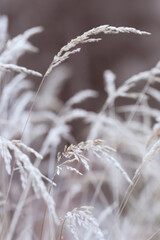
<point>140,98</point>
<point>128,194</point>
<point>18,212</point>
<point>20,205</point>
<point>61,232</point>
<point>32,106</point>
<point>44,216</point>
<point>98,188</point>
<point>8,190</point>
<point>45,211</point>
<point>154,235</point>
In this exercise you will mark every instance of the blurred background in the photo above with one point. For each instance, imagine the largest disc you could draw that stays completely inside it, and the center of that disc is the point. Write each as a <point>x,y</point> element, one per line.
<point>124,54</point>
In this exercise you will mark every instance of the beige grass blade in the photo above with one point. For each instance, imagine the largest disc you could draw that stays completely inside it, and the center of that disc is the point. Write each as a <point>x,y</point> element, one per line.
<point>86,38</point>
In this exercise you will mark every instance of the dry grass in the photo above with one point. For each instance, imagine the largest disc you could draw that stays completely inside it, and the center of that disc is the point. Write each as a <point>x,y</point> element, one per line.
<point>100,188</point>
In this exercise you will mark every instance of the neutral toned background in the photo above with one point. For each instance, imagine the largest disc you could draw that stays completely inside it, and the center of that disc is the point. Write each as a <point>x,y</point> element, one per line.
<point>65,19</point>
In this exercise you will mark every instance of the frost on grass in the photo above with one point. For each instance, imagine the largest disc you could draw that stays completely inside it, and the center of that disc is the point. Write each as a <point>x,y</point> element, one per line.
<point>14,106</point>
<point>81,96</point>
<point>128,137</point>
<point>150,77</point>
<point>28,172</point>
<point>77,153</point>
<point>81,219</point>
<point>17,46</point>
<point>13,67</point>
<point>86,37</point>
<point>12,49</point>
<point>109,79</point>
<point>4,31</point>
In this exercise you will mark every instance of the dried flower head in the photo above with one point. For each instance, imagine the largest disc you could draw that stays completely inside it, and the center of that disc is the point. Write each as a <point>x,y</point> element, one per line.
<point>80,219</point>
